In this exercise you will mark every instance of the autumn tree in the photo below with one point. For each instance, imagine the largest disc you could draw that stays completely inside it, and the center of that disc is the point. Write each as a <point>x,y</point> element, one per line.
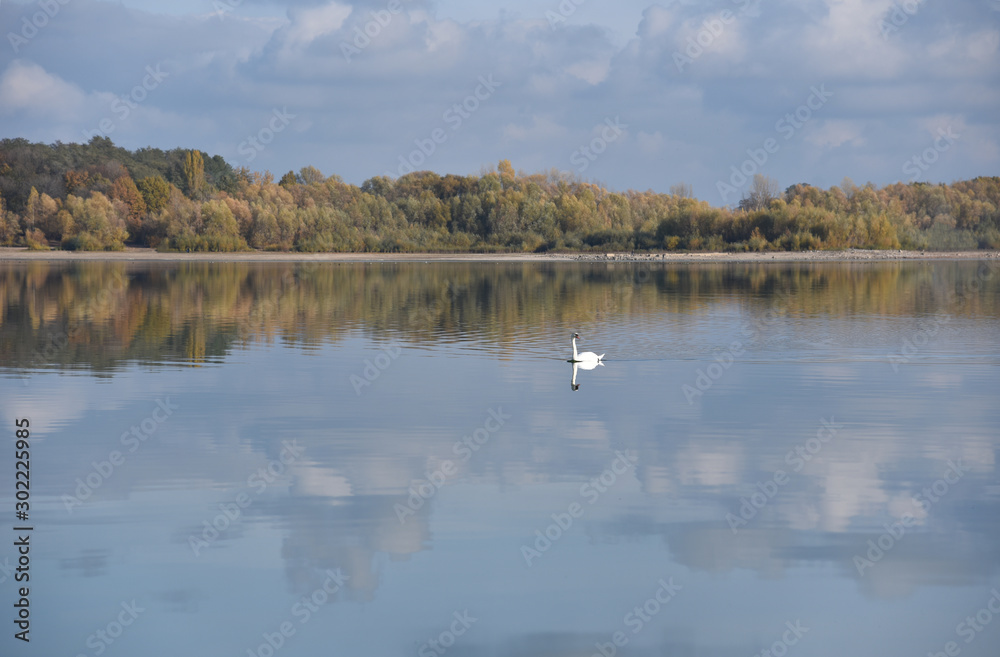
<point>32,210</point>
<point>125,190</point>
<point>97,226</point>
<point>10,230</point>
<point>311,175</point>
<point>41,214</point>
<point>76,180</point>
<point>507,175</point>
<point>194,173</point>
<point>155,192</point>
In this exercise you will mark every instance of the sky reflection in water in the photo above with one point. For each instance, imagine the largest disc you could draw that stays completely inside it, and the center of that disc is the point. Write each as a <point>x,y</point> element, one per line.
<point>414,428</point>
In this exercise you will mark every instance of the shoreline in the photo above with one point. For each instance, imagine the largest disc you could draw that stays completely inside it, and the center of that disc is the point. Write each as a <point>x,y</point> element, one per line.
<point>136,254</point>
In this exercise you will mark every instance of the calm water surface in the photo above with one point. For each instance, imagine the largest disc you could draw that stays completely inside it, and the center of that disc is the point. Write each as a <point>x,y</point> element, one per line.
<point>391,459</point>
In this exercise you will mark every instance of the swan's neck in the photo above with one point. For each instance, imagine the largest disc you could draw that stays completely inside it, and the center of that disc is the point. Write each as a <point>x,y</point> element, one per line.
<point>574,350</point>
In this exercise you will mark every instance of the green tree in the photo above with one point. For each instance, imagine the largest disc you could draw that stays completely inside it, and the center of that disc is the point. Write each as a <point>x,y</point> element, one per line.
<point>155,192</point>
<point>194,173</point>
<point>32,211</point>
<point>10,229</point>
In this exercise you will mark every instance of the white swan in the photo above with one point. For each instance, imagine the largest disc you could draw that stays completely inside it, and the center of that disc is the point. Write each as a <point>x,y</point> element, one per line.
<point>587,357</point>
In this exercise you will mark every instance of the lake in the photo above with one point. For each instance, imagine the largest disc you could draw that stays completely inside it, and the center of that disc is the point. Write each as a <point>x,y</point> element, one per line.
<point>391,459</point>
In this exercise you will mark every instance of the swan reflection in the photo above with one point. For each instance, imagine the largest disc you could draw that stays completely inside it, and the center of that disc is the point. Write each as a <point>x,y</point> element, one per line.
<point>586,365</point>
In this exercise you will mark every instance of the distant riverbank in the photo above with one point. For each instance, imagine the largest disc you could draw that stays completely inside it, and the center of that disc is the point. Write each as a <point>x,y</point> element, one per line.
<point>12,254</point>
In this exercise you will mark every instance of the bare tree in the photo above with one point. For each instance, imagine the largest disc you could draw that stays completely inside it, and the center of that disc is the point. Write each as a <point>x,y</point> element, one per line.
<point>762,191</point>
<point>682,190</point>
<point>848,187</point>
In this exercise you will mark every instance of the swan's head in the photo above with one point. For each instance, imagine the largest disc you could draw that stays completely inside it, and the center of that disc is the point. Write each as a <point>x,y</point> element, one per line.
<point>576,336</point>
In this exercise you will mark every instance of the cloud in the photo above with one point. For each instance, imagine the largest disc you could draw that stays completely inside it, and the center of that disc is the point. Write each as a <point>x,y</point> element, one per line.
<point>357,114</point>
<point>28,89</point>
<point>835,133</point>
<point>540,128</point>
<point>312,22</point>
<point>650,143</point>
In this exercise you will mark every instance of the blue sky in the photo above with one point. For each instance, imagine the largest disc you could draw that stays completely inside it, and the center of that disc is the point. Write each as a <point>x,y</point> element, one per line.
<point>632,94</point>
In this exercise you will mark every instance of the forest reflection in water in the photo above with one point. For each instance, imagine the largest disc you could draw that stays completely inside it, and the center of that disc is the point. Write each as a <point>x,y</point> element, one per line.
<point>100,315</point>
<point>416,428</point>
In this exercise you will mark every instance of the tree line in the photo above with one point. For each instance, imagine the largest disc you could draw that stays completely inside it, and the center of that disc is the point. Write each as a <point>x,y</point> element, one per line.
<point>98,196</point>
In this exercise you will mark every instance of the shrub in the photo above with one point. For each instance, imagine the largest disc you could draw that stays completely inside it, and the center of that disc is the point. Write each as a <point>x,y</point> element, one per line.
<point>35,240</point>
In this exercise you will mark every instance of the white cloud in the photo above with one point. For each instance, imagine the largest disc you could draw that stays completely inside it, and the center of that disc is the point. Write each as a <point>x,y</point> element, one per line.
<point>557,85</point>
<point>982,46</point>
<point>312,22</point>
<point>835,133</point>
<point>649,143</point>
<point>656,20</point>
<point>26,87</point>
<point>591,72</point>
<point>540,128</point>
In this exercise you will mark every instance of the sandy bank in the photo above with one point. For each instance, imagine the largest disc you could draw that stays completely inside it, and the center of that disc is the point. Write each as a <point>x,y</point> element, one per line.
<point>14,254</point>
